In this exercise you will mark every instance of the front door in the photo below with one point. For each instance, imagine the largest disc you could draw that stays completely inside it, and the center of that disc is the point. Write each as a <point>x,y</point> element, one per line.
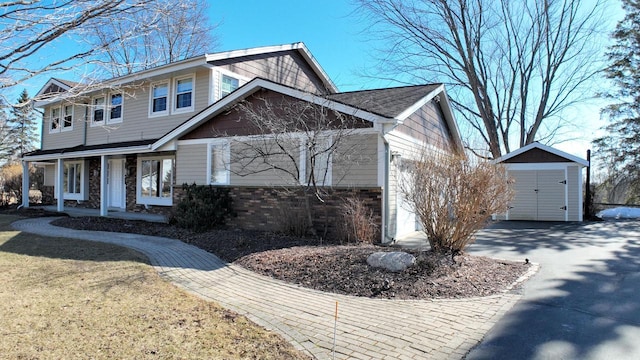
<point>116,184</point>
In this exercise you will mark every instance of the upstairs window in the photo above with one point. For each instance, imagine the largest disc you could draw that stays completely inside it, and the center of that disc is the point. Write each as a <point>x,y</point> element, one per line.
<point>115,107</point>
<point>55,120</point>
<point>98,110</point>
<point>159,99</point>
<point>227,85</point>
<point>184,94</point>
<point>67,123</point>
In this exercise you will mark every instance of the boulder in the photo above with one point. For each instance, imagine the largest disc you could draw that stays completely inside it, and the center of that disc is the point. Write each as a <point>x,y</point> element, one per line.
<point>393,261</point>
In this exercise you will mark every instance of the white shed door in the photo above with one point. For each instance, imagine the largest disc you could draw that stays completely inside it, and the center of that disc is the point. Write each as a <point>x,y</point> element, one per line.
<point>540,195</point>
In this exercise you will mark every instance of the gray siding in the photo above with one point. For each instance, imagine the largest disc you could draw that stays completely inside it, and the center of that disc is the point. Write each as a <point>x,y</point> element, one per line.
<point>355,162</point>
<point>137,125</point>
<point>427,124</point>
<point>191,164</point>
<point>287,68</point>
<point>67,138</point>
<point>246,172</point>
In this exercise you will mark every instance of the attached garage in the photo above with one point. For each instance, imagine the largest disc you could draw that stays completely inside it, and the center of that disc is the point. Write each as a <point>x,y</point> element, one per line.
<point>547,184</point>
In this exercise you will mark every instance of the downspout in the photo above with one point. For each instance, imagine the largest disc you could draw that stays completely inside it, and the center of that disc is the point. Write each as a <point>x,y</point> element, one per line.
<point>385,195</point>
<point>387,165</point>
<point>84,128</point>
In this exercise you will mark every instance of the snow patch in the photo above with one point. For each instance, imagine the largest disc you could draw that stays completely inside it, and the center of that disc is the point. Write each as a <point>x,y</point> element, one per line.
<point>620,213</point>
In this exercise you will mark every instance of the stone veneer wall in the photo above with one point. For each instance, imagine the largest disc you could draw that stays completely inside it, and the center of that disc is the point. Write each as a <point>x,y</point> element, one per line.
<point>263,208</point>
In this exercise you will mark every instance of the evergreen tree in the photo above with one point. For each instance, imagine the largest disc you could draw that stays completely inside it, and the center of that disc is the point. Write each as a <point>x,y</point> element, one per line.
<point>620,148</point>
<point>6,142</point>
<point>24,126</point>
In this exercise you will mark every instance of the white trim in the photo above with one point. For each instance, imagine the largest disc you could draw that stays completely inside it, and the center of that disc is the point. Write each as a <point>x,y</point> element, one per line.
<point>253,86</point>
<point>63,115</point>
<point>216,81</point>
<point>420,103</point>
<point>93,107</point>
<point>299,46</point>
<point>360,131</point>
<point>165,112</point>
<point>51,129</point>
<point>174,99</point>
<point>546,148</point>
<point>382,158</point>
<point>580,196</point>
<point>109,106</point>
<point>537,166</point>
<point>161,201</point>
<point>302,167</point>
<point>566,194</point>
<point>89,153</point>
<point>226,148</point>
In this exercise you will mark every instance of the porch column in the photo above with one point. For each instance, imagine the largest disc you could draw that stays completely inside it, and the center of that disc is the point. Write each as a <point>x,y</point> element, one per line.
<point>103,186</point>
<point>25,184</point>
<point>60,185</point>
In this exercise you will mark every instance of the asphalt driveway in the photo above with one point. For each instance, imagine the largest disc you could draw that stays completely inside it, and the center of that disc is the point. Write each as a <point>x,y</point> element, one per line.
<point>584,303</point>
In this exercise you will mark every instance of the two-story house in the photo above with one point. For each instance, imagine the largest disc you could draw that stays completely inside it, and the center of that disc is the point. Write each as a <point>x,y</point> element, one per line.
<point>129,143</point>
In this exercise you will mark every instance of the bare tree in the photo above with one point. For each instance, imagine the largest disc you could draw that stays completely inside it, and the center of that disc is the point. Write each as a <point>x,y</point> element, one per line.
<point>298,141</point>
<point>30,31</point>
<point>516,65</point>
<point>162,32</point>
<point>453,197</point>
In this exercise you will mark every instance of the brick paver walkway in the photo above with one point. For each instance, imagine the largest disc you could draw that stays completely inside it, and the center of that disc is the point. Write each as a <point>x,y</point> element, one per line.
<point>366,328</point>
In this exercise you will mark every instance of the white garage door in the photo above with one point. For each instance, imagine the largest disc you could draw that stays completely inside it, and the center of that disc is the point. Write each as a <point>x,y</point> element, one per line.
<point>540,195</point>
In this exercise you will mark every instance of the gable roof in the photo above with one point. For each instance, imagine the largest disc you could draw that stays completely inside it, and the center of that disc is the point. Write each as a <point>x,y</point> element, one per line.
<point>415,97</point>
<point>206,60</point>
<point>388,102</point>
<point>537,146</point>
<point>300,47</point>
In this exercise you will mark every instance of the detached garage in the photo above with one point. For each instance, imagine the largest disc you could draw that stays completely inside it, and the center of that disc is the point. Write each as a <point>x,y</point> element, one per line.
<point>548,184</point>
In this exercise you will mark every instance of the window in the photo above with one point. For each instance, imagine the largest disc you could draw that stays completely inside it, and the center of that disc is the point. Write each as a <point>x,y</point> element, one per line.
<point>115,107</point>
<point>73,178</point>
<point>155,181</point>
<point>159,98</point>
<point>98,109</point>
<point>55,120</point>
<point>67,123</point>
<point>218,159</point>
<point>184,94</point>
<point>228,85</point>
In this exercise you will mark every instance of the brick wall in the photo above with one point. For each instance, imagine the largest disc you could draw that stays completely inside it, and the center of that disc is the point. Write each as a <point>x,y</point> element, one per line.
<point>265,208</point>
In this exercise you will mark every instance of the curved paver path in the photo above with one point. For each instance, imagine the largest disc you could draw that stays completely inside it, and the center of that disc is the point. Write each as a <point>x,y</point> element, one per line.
<point>366,328</point>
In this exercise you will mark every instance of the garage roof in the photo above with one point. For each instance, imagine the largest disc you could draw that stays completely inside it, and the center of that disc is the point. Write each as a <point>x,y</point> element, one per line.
<point>538,153</point>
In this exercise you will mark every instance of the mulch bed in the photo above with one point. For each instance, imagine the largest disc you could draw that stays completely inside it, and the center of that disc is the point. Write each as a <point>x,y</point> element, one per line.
<point>333,268</point>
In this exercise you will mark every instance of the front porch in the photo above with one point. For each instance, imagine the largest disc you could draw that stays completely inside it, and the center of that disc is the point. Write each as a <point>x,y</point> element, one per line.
<point>78,212</point>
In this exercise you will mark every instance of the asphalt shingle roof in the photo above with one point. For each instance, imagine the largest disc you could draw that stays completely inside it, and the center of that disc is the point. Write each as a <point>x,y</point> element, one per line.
<point>388,102</point>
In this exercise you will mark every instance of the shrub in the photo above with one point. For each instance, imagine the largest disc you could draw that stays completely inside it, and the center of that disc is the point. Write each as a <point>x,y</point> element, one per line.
<point>293,219</point>
<point>358,223</point>
<point>203,208</point>
<point>453,197</point>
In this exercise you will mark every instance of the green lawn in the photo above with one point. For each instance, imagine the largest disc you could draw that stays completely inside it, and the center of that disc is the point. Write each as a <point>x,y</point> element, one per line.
<point>70,299</point>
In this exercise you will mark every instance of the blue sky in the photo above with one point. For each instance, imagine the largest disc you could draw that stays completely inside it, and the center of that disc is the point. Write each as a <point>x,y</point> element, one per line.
<point>328,28</point>
<point>340,42</point>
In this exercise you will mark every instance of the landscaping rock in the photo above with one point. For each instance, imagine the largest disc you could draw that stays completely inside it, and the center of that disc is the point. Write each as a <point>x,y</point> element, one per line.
<point>393,261</point>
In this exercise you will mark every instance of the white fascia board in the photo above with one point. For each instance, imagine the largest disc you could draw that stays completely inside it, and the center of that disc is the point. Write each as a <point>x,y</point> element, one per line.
<point>546,148</point>
<point>90,153</point>
<point>253,86</point>
<point>447,111</point>
<point>420,103</point>
<point>52,81</point>
<point>537,166</point>
<point>299,46</point>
